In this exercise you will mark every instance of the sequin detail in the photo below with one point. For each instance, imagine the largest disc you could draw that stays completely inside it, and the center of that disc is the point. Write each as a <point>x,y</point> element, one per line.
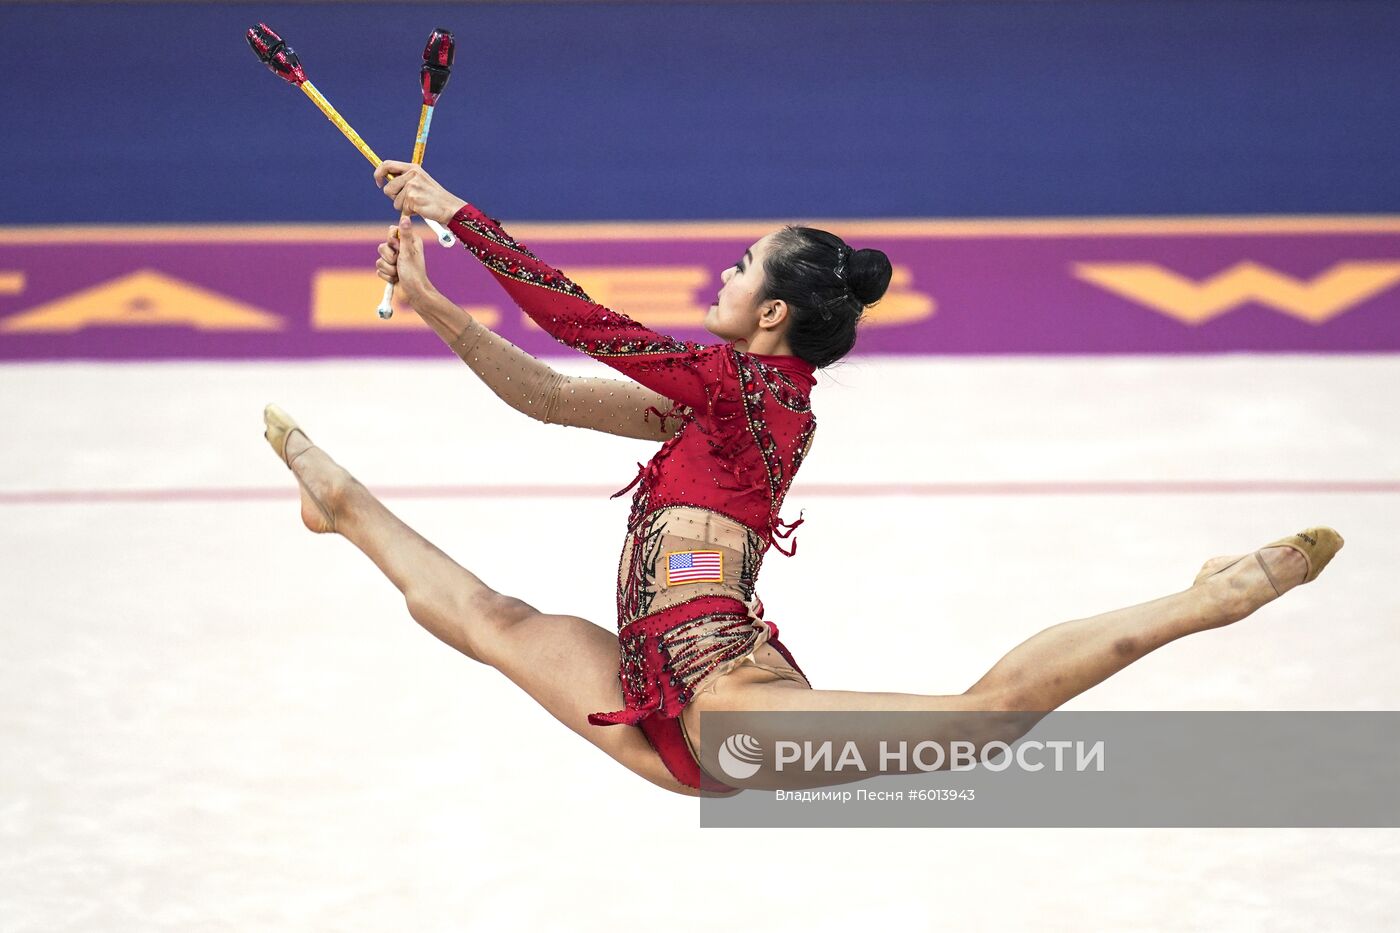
<point>782,387</point>
<point>758,380</point>
<point>668,655</point>
<point>733,456</point>
<point>523,272</point>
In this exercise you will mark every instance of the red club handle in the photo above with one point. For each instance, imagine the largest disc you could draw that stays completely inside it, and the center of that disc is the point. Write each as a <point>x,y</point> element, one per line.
<point>437,64</point>
<point>276,54</point>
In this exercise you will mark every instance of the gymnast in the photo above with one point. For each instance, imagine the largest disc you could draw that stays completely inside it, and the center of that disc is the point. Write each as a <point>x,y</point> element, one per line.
<point>735,423</point>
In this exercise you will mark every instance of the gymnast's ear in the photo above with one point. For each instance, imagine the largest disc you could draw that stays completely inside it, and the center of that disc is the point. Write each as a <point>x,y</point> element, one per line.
<point>776,313</point>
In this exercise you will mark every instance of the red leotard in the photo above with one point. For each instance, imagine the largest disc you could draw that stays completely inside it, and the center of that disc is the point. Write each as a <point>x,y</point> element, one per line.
<point>746,425</point>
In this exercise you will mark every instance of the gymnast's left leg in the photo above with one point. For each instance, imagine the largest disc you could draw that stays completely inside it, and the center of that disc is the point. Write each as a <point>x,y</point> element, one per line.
<point>566,663</point>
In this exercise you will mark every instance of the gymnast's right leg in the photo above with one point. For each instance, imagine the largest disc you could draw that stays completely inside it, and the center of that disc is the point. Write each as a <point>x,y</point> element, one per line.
<point>568,664</point>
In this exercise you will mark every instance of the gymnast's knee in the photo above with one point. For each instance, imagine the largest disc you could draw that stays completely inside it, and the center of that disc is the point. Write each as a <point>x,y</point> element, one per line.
<point>471,623</point>
<point>490,619</point>
<point>502,611</point>
<point>1004,714</point>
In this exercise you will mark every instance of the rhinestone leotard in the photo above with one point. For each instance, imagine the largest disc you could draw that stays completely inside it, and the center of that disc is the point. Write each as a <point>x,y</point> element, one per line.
<point>745,426</point>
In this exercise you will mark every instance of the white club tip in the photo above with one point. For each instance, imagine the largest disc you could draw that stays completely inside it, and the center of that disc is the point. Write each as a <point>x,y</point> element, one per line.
<point>444,235</point>
<point>386,303</point>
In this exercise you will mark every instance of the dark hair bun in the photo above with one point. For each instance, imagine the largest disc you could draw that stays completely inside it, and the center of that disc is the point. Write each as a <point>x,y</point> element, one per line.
<point>827,285</point>
<point>869,275</point>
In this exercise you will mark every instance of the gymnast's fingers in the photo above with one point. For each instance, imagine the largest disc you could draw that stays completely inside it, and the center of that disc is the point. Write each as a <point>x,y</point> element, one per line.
<point>389,167</point>
<point>410,258</point>
<point>410,268</point>
<point>387,265</point>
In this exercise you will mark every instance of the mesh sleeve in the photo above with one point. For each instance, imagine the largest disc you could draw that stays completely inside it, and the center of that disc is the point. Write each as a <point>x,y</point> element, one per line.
<point>531,386</point>
<point>687,373</point>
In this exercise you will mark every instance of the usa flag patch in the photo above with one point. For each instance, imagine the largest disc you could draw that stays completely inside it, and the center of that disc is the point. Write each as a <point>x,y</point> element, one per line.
<point>694,567</point>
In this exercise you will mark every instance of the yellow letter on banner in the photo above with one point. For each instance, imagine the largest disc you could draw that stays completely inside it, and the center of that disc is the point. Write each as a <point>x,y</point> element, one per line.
<point>656,296</point>
<point>666,296</point>
<point>142,299</point>
<point>345,299</point>
<point>901,304</point>
<point>1335,291</point>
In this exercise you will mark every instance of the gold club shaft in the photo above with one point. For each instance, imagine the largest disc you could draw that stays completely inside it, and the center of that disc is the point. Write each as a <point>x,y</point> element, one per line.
<point>334,116</point>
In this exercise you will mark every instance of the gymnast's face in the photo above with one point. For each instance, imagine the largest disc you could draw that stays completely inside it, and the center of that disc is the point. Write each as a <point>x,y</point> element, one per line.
<point>739,314</point>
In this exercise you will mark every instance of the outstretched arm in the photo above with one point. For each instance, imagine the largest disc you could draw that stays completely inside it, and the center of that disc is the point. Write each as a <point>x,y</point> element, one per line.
<point>689,374</point>
<point>527,384</point>
<point>614,406</point>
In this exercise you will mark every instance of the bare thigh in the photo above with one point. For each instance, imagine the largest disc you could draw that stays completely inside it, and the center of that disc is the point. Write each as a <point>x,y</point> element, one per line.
<point>570,665</point>
<point>751,690</point>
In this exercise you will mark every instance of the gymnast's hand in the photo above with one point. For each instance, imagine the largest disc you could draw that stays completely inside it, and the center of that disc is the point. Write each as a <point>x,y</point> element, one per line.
<point>415,192</point>
<point>401,262</point>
